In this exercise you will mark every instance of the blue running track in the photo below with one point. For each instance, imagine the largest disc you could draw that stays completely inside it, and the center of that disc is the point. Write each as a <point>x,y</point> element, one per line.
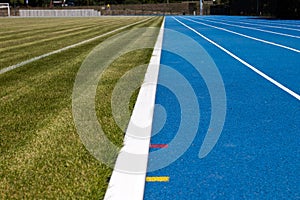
<point>236,79</point>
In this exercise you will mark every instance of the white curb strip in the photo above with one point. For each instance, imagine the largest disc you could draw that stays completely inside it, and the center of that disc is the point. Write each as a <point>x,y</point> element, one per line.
<point>129,186</point>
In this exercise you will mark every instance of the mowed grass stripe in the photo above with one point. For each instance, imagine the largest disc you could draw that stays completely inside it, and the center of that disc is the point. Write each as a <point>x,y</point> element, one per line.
<point>54,30</point>
<point>52,36</point>
<point>38,34</point>
<point>19,26</point>
<point>46,32</point>
<point>24,51</point>
<point>41,155</point>
<point>38,29</point>
<point>12,25</point>
<point>70,46</point>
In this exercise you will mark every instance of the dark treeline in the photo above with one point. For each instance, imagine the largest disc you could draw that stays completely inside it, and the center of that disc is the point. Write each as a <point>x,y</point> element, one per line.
<point>45,3</point>
<point>276,8</point>
<point>288,9</point>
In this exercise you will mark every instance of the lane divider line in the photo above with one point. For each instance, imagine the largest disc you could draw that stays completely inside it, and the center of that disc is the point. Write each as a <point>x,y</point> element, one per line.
<point>289,91</point>
<point>288,25</point>
<point>251,28</point>
<point>262,25</point>
<point>157,179</point>
<point>7,69</point>
<point>246,36</point>
<point>127,185</point>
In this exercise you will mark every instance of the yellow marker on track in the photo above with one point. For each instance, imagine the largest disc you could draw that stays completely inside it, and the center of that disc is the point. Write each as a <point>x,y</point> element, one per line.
<point>158,179</point>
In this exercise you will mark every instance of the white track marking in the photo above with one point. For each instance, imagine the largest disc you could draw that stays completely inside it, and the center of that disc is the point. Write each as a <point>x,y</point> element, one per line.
<point>2,71</point>
<point>247,36</point>
<point>281,24</point>
<point>128,186</point>
<point>251,28</point>
<point>259,21</point>
<point>294,94</point>
<point>270,26</point>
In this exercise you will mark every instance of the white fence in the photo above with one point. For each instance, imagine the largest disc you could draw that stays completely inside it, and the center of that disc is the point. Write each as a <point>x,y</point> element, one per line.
<point>5,6</point>
<point>60,13</point>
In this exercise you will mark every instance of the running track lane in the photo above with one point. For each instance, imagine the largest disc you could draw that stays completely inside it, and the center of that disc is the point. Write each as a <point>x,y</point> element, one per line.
<point>257,154</point>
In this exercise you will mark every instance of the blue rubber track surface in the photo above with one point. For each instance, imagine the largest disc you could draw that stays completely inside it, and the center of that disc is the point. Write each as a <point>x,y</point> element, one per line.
<point>257,153</point>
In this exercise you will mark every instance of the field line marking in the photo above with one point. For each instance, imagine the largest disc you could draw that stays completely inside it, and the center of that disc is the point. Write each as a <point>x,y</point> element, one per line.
<point>251,28</point>
<point>280,24</point>
<point>270,26</point>
<point>246,36</point>
<point>129,186</point>
<point>289,91</point>
<point>4,70</point>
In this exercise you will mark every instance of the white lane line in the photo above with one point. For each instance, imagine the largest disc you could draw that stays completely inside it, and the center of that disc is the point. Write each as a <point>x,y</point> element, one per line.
<point>7,69</point>
<point>269,26</point>
<point>280,24</point>
<point>129,186</point>
<point>289,91</point>
<point>260,21</point>
<point>247,36</point>
<point>251,28</point>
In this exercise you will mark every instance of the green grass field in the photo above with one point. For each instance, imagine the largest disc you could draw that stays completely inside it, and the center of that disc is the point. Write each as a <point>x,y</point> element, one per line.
<point>22,39</point>
<point>41,154</point>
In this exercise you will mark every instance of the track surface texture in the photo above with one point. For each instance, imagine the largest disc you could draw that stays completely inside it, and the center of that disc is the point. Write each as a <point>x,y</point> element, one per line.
<point>227,115</point>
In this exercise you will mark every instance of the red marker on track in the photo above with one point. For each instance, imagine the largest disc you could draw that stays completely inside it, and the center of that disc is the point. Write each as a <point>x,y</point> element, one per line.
<point>158,146</point>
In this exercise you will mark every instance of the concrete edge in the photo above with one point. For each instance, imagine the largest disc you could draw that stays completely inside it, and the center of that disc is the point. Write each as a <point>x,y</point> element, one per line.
<point>127,185</point>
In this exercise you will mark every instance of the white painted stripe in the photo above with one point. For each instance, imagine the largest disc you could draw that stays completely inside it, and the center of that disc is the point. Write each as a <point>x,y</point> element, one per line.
<point>297,96</point>
<point>247,36</point>
<point>2,71</point>
<point>251,28</point>
<point>124,185</point>
<point>276,23</point>
<point>270,26</point>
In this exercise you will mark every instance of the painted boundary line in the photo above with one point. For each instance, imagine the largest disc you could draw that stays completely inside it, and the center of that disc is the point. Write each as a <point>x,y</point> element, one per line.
<point>294,94</point>
<point>251,28</point>
<point>269,26</point>
<point>128,186</point>
<point>278,24</point>
<point>2,71</point>
<point>264,22</point>
<point>246,36</point>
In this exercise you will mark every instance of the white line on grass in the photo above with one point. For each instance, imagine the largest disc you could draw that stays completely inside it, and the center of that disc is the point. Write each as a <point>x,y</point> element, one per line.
<point>247,36</point>
<point>294,94</point>
<point>251,28</point>
<point>2,71</point>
